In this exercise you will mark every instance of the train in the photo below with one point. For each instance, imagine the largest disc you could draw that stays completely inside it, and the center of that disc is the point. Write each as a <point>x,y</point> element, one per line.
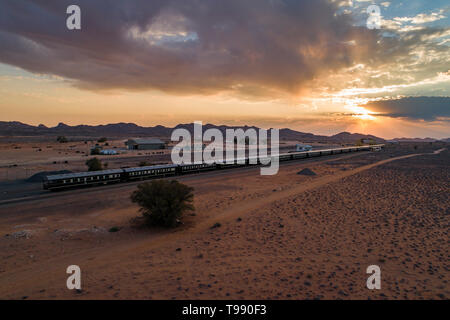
<point>111,176</point>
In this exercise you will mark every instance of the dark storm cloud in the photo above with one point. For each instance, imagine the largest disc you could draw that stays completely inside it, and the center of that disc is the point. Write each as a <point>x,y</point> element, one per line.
<point>254,48</point>
<point>425,108</point>
<point>198,46</point>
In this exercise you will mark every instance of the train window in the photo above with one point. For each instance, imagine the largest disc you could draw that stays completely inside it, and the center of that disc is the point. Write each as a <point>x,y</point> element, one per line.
<point>64,181</point>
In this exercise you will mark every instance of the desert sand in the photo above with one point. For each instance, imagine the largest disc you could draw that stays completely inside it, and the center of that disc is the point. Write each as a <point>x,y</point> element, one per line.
<point>287,236</point>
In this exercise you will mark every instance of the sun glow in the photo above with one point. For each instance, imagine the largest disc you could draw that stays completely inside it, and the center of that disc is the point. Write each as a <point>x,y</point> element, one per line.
<point>362,113</point>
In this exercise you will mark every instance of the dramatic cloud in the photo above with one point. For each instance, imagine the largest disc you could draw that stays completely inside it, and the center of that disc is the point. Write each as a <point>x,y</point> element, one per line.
<point>253,49</point>
<point>422,17</point>
<point>185,46</point>
<point>425,108</point>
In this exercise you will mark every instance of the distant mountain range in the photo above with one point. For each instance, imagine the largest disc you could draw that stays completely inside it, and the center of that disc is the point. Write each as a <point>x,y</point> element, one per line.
<point>419,140</point>
<point>15,128</point>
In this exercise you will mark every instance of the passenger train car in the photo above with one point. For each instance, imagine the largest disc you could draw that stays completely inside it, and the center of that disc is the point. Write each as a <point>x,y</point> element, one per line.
<point>93,178</point>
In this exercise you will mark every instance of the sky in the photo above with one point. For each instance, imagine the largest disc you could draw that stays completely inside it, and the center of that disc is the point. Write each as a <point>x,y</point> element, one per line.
<point>312,66</point>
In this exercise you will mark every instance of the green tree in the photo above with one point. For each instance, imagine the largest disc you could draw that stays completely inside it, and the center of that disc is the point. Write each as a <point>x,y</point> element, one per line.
<point>102,139</point>
<point>94,164</point>
<point>163,202</point>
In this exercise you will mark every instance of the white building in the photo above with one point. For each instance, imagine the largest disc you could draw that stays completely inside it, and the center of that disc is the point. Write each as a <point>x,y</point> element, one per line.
<point>303,147</point>
<point>108,152</point>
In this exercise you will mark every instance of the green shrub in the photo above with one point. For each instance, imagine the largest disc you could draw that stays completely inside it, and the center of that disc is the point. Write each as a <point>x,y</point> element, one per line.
<point>95,151</point>
<point>114,229</point>
<point>163,202</point>
<point>94,164</point>
<point>62,139</point>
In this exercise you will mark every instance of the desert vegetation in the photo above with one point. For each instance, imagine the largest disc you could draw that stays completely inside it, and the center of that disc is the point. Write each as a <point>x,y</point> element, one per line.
<point>163,202</point>
<point>94,164</point>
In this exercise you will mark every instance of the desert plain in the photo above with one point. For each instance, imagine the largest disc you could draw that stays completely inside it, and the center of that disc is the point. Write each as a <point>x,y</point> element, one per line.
<point>286,236</point>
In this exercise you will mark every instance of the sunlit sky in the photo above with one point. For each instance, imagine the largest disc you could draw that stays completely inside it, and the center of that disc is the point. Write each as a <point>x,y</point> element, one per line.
<point>309,66</point>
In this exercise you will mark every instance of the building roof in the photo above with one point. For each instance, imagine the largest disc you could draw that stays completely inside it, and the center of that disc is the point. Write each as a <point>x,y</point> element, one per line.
<point>145,141</point>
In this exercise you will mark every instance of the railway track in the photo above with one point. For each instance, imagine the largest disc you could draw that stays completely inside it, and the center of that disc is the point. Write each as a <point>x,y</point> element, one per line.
<point>41,195</point>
